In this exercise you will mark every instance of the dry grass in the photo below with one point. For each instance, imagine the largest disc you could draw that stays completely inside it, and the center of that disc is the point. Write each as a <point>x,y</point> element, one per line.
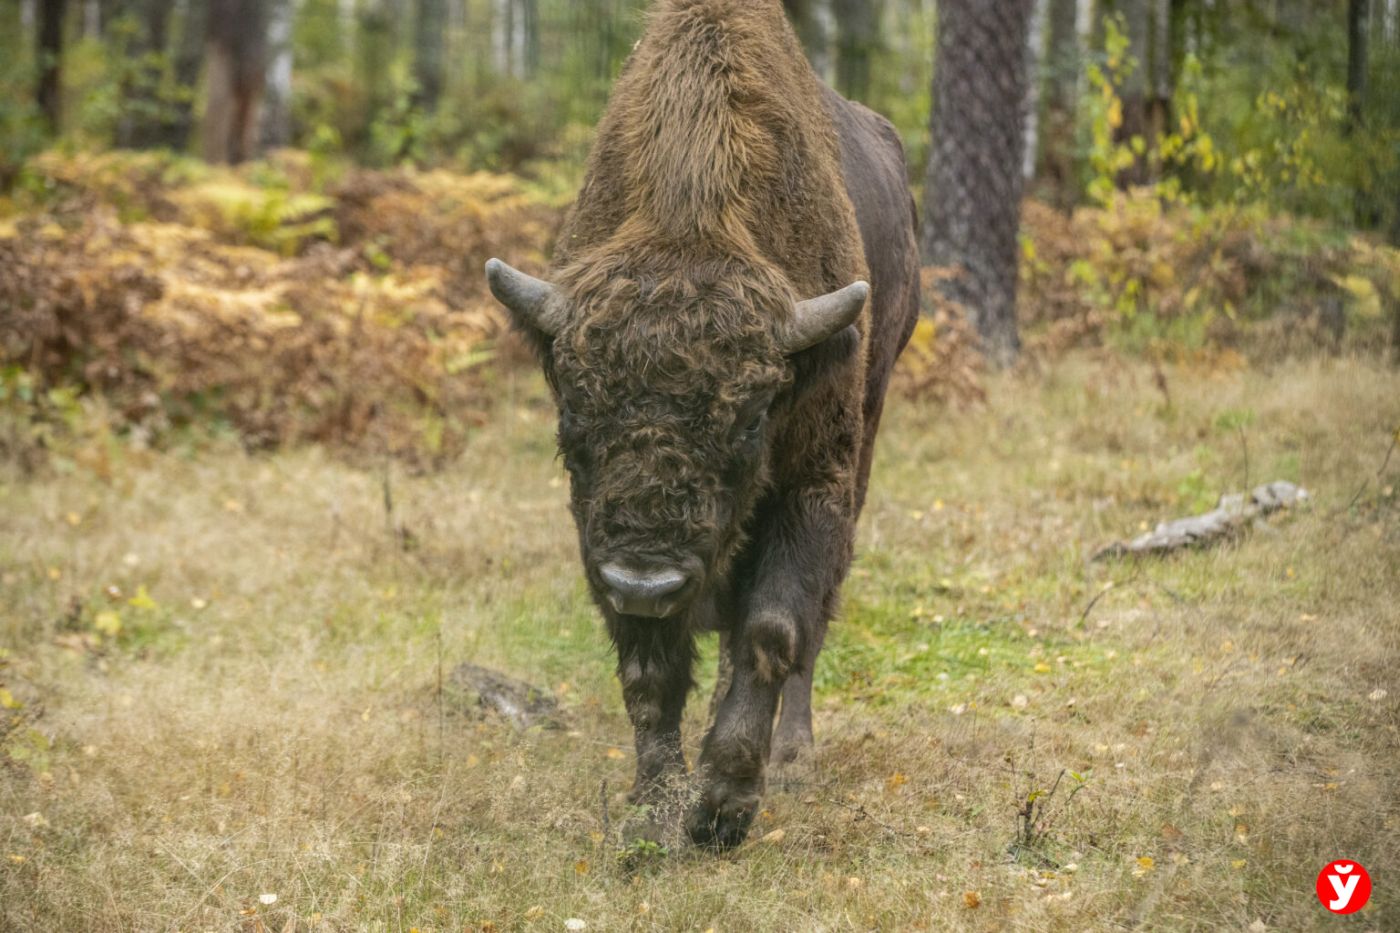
<point>1233,714</point>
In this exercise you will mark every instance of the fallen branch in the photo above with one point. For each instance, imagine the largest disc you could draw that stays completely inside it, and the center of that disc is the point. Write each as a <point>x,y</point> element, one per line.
<point>1235,512</point>
<point>522,704</point>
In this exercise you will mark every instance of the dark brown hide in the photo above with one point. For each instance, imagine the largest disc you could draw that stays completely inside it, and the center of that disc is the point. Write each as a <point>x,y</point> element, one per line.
<point>727,184</point>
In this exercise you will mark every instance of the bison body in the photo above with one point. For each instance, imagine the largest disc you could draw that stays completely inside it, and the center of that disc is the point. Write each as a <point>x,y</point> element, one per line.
<point>720,367</point>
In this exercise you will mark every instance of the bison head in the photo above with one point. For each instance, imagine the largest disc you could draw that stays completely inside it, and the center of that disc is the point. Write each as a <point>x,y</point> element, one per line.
<point>668,389</point>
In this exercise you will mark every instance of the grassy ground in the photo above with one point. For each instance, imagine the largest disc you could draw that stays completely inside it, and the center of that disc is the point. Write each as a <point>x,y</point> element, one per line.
<point>223,670</point>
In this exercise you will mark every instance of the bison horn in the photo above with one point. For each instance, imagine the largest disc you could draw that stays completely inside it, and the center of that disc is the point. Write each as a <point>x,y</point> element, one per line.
<point>817,319</point>
<point>534,303</point>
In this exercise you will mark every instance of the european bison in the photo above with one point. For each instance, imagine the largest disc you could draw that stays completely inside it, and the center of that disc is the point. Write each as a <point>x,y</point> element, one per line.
<point>719,377</point>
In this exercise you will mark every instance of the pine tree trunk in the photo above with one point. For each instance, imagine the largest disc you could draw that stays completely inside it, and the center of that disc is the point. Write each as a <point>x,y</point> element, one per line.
<point>374,55</point>
<point>277,102</point>
<point>1161,78</point>
<point>49,46</point>
<point>972,197</point>
<point>1358,61</point>
<point>237,54</point>
<point>429,45</point>
<point>1035,60</point>
<point>1134,90</point>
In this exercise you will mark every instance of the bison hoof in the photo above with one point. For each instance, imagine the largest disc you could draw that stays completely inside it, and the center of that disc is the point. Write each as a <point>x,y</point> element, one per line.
<point>722,820</point>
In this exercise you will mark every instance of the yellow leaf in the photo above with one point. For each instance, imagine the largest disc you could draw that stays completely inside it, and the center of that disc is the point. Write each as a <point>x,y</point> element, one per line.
<point>8,701</point>
<point>581,867</point>
<point>142,599</point>
<point>108,622</point>
<point>1239,864</point>
<point>1146,863</point>
<point>1042,668</point>
<point>972,900</point>
<point>616,754</point>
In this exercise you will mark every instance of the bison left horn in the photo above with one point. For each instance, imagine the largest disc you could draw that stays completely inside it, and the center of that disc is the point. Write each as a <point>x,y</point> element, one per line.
<point>535,303</point>
<point>818,319</point>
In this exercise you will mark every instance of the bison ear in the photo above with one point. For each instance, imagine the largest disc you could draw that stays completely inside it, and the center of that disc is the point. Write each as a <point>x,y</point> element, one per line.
<point>535,304</point>
<point>819,319</point>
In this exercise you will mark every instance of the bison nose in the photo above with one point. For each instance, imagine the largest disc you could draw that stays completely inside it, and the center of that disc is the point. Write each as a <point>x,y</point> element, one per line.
<point>652,594</point>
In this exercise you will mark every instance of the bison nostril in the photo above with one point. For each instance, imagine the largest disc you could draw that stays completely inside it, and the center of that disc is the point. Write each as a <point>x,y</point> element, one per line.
<point>633,584</point>
<point>651,595</point>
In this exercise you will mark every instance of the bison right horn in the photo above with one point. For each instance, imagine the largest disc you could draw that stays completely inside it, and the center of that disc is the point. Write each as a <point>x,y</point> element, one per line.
<point>535,303</point>
<point>818,319</point>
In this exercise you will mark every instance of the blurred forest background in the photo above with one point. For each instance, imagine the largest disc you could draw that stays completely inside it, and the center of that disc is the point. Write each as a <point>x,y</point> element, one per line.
<point>193,189</point>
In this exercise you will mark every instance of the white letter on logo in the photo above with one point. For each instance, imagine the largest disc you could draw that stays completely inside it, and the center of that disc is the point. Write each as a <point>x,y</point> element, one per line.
<point>1344,891</point>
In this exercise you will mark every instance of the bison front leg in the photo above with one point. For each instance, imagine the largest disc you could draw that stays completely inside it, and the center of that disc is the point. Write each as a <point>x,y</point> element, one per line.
<point>800,562</point>
<point>656,676</point>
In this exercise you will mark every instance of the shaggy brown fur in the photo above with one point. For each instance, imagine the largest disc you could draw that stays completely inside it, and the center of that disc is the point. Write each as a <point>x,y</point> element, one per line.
<point>726,185</point>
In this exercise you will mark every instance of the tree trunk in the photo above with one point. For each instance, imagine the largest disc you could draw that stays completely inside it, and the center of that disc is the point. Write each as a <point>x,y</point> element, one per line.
<point>1061,101</point>
<point>1161,77</point>
<point>1358,61</point>
<point>515,33</point>
<point>237,53</point>
<point>49,93</point>
<point>429,44</point>
<point>374,54</point>
<point>1366,212</point>
<point>857,41</point>
<point>277,102</point>
<point>1134,90</point>
<point>972,196</point>
<point>1035,58</point>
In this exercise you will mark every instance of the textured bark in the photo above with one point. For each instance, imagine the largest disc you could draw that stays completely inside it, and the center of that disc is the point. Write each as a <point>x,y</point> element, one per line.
<point>429,50</point>
<point>237,54</point>
<point>50,53</point>
<point>1234,514</point>
<point>857,41</point>
<point>972,197</point>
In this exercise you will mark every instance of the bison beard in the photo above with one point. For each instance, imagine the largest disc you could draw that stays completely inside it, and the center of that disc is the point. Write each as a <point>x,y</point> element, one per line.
<point>720,376</point>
